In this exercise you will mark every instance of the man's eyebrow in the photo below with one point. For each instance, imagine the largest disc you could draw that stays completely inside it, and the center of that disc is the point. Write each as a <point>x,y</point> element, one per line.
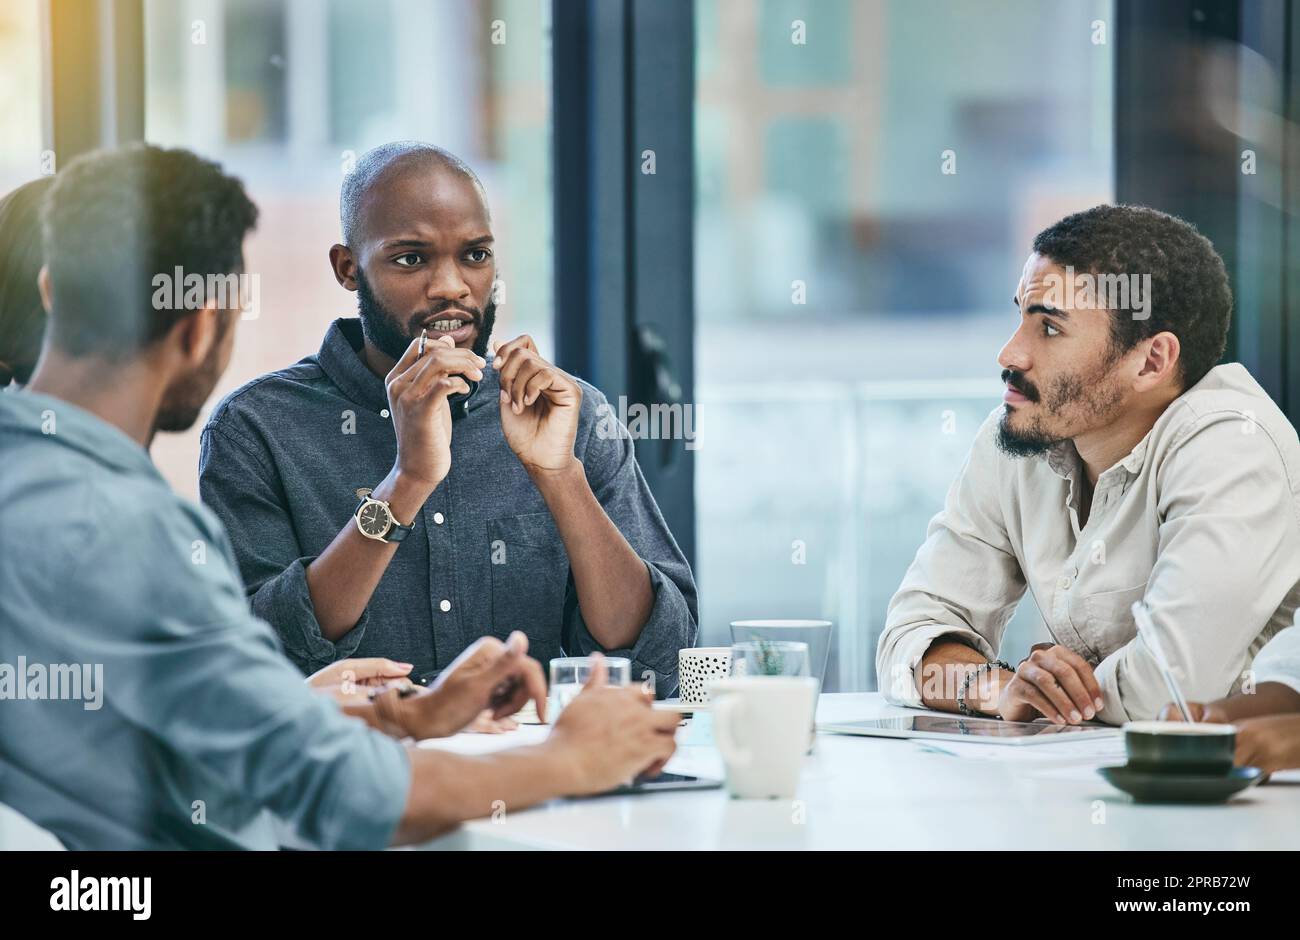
<point>412,242</point>
<point>1049,311</point>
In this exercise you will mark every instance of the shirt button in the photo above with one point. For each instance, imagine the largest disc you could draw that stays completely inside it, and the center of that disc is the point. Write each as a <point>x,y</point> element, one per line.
<point>1065,583</point>
<point>383,413</point>
<point>444,605</point>
<point>437,518</point>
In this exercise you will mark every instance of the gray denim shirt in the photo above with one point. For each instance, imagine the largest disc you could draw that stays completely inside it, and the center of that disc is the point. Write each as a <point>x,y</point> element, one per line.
<point>153,711</point>
<point>283,456</point>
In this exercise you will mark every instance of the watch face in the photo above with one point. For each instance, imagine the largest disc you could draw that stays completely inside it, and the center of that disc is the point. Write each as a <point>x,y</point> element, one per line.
<point>373,520</point>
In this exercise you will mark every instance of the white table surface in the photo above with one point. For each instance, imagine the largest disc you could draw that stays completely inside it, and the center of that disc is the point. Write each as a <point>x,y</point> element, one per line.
<point>877,793</point>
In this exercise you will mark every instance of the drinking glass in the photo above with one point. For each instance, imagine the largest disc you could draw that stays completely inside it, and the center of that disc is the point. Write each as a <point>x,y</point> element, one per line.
<point>570,673</point>
<point>816,633</point>
<point>769,658</point>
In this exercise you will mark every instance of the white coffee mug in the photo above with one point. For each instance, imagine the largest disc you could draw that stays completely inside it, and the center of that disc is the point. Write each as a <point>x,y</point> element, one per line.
<point>760,724</point>
<point>699,667</point>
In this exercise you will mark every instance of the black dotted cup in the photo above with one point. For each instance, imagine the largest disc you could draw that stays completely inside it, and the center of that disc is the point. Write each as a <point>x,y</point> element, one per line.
<point>699,666</point>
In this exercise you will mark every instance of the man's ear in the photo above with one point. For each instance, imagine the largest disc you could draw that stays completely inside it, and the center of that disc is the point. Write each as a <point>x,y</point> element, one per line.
<point>344,265</point>
<point>43,284</point>
<point>198,332</point>
<point>1161,362</point>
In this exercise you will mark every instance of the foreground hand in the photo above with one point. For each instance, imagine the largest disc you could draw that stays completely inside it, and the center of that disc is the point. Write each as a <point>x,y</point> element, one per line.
<point>1055,682</point>
<point>1201,711</point>
<point>1271,743</point>
<point>349,679</point>
<point>540,404</point>
<point>490,675</point>
<point>606,736</point>
<point>484,723</point>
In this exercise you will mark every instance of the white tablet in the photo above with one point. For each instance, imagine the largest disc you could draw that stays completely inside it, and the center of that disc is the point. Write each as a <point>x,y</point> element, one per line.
<point>972,730</point>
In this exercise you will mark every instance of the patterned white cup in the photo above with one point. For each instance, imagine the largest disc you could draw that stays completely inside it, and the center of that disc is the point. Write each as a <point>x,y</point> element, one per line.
<point>697,668</point>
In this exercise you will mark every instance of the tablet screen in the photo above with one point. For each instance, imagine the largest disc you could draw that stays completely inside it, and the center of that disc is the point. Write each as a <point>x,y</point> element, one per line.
<point>968,727</point>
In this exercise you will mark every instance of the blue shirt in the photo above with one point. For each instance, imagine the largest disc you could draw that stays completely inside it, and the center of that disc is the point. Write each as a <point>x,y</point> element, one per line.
<point>280,464</point>
<point>203,729</point>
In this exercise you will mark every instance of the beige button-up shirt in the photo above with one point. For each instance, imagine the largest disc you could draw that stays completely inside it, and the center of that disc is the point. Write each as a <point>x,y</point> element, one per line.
<point>1202,519</point>
<point>1279,661</point>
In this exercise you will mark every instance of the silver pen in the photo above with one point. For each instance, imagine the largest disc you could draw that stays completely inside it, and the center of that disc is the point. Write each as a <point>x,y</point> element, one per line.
<point>1147,630</point>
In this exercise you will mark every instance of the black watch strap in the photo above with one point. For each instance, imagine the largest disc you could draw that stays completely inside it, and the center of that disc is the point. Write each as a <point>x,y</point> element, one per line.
<point>398,532</point>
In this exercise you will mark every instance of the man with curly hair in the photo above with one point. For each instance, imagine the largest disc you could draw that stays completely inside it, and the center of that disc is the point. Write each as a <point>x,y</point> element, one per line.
<point>1123,465</point>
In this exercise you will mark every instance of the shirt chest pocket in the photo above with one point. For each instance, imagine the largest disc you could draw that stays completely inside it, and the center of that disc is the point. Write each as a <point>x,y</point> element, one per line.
<point>530,572</point>
<point>1108,616</point>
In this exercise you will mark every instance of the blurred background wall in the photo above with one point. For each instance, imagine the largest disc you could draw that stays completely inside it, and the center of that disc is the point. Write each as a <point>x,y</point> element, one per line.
<point>860,180</point>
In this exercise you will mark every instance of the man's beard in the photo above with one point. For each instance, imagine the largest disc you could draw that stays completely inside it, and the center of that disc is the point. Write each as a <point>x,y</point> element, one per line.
<point>180,413</point>
<point>183,402</point>
<point>1094,397</point>
<point>379,323</point>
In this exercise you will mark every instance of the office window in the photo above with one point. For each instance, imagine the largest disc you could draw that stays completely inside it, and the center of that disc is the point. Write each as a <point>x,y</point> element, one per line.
<point>21,126</point>
<point>255,70</point>
<point>362,92</point>
<point>851,293</point>
<point>288,94</point>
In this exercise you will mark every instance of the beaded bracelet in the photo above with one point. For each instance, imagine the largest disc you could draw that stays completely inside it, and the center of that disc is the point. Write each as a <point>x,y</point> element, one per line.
<point>965,685</point>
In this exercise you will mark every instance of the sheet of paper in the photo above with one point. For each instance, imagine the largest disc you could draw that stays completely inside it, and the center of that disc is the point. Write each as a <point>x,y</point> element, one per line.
<point>1075,760</point>
<point>487,743</point>
<point>1097,750</point>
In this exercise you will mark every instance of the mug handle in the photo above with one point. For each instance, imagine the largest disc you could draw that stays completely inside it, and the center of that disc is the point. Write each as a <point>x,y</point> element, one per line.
<point>725,709</point>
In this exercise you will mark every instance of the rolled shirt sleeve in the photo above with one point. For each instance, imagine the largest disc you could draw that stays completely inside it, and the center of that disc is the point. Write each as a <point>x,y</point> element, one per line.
<point>243,491</point>
<point>1279,660</point>
<point>615,478</point>
<point>964,582</point>
<point>191,666</point>
<point>1228,554</point>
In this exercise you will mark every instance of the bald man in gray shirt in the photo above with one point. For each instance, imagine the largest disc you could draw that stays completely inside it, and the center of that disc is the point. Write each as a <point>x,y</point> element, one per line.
<point>142,705</point>
<point>407,489</point>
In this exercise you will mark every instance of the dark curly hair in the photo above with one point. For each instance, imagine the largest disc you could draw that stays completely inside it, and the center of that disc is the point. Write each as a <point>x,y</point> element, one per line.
<point>1190,295</point>
<point>116,218</point>
<point>22,318</point>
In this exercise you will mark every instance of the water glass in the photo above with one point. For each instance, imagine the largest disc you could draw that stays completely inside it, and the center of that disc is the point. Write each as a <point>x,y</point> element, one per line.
<point>816,633</point>
<point>769,658</point>
<point>570,673</point>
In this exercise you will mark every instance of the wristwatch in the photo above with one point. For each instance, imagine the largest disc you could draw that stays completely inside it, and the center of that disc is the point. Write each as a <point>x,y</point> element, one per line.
<point>375,519</point>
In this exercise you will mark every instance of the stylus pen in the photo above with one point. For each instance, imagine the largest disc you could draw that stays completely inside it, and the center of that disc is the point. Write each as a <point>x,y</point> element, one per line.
<point>1147,630</point>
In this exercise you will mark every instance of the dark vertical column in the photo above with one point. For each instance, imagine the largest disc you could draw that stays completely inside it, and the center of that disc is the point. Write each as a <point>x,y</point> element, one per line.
<point>1291,206</point>
<point>624,87</point>
<point>1176,64</point>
